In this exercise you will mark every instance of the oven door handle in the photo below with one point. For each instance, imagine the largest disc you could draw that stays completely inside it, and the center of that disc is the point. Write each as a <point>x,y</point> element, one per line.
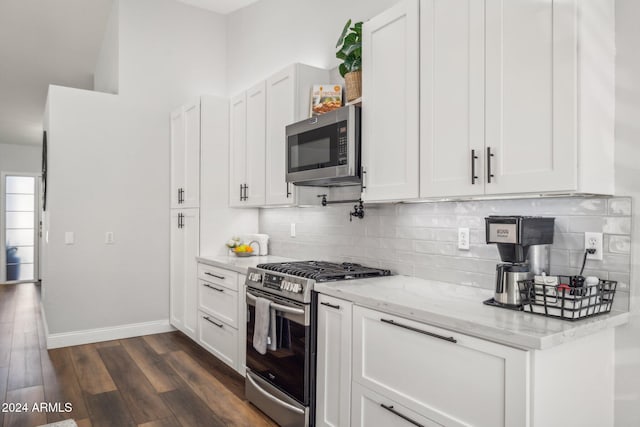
<point>279,307</point>
<point>273,398</point>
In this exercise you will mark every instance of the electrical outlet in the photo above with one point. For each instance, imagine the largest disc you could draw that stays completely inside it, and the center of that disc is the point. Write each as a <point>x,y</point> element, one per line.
<point>109,238</point>
<point>292,232</point>
<point>463,238</point>
<point>593,241</point>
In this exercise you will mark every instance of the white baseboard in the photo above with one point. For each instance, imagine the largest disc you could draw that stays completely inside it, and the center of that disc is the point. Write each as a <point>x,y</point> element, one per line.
<point>89,336</point>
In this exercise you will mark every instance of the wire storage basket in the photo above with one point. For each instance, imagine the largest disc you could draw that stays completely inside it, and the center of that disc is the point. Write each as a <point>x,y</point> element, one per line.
<point>568,297</point>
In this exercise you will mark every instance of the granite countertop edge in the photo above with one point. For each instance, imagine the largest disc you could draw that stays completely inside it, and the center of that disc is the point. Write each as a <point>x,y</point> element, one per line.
<point>448,314</point>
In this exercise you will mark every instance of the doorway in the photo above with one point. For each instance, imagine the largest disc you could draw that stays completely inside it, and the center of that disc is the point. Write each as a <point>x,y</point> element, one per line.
<point>20,227</point>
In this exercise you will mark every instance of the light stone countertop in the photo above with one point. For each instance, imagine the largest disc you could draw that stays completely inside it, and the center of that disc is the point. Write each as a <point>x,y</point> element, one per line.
<point>460,309</point>
<point>239,264</point>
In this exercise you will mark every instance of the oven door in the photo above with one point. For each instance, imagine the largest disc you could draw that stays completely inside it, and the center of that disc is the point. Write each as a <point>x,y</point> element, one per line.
<point>288,367</point>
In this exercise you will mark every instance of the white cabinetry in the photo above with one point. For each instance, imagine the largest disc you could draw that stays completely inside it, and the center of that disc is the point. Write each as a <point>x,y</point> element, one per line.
<point>390,104</point>
<point>288,101</point>
<point>448,378</point>
<point>185,232</point>
<point>185,156</point>
<point>333,372</point>
<point>221,314</point>
<point>516,97</point>
<point>248,127</point>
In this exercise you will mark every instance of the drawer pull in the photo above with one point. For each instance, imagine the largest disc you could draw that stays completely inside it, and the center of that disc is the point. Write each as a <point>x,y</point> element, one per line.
<point>208,319</point>
<point>404,417</point>
<point>213,287</point>
<point>337,307</point>
<point>411,328</point>
<point>214,275</point>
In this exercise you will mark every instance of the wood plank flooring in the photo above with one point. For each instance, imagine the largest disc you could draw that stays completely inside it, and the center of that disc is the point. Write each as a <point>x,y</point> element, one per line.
<point>163,380</point>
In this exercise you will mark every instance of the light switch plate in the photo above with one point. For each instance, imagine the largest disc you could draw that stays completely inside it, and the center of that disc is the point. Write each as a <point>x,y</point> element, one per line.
<point>69,238</point>
<point>293,230</point>
<point>109,238</point>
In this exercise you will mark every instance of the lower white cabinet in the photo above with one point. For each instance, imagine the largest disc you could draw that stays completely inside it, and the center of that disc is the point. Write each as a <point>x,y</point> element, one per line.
<point>371,409</point>
<point>448,378</point>
<point>333,372</point>
<point>185,232</point>
<point>219,338</point>
<point>222,314</point>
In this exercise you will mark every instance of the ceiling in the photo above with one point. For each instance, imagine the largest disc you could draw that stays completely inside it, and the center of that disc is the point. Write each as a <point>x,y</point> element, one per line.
<point>219,6</point>
<point>44,42</point>
<point>56,42</point>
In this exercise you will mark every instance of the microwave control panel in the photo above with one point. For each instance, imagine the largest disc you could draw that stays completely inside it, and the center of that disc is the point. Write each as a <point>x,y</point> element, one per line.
<point>343,145</point>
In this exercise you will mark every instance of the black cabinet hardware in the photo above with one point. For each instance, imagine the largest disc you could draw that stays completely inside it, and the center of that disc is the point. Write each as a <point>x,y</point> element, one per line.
<point>411,328</point>
<point>337,307</point>
<point>473,167</point>
<point>213,287</point>
<point>208,319</point>
<point>404,417</point>
<point>364,174</point>
<point>288,192</point>
<point>489,173</point>
<point>214,275</point>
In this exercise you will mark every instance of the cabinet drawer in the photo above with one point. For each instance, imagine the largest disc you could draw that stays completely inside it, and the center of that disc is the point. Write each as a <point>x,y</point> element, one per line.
<point>220,339</point>
<point>449,377</point>
<point>218,301</point>
<point>373,410</point>
<point>219,276</point>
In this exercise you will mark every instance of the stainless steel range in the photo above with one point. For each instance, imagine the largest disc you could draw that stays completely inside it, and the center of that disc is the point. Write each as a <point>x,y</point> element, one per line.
<point>281,382</point>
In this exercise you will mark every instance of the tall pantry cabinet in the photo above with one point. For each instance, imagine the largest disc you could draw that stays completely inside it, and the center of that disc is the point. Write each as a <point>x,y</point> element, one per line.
<point>201,220</point>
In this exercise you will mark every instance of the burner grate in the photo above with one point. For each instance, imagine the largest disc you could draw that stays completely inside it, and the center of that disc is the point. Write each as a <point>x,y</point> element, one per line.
<point>322,271</point>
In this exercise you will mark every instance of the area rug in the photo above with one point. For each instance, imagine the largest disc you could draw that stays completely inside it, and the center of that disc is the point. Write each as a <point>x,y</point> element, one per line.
<point>65,423</point>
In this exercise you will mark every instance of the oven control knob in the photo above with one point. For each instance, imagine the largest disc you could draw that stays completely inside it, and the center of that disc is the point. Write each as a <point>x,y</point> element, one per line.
<point>297,288</point>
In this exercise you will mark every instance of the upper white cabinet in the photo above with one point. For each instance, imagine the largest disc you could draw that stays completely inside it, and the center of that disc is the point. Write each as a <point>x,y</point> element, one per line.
<point>288,101</point>
<point>516,97</point>
<point>247,139</point>
<point>185,156</point>
<point>390,104</point>
<point>452,97</point>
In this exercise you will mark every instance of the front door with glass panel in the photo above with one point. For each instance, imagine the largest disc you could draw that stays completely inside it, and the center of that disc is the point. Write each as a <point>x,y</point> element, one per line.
<point>20,228</point>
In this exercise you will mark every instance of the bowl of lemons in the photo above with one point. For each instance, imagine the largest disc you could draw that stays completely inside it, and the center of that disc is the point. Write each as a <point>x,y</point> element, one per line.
<point>243,250</point>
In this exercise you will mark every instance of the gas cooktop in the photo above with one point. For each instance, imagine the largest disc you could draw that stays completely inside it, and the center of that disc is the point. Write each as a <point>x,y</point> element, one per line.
<point>322,271</point>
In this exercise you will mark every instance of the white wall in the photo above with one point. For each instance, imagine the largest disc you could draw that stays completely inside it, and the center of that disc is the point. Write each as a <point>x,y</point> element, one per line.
<point>107,72</point>
<point>628,183</point>
<point>20,158</point>
<point>109,169</point>
<point>271,34</point>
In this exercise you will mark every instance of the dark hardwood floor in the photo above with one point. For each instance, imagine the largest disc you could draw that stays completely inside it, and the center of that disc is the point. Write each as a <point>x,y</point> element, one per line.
<point>163,380</point>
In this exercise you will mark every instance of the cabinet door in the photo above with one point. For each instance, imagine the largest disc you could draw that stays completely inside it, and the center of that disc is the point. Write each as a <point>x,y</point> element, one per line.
<point>451,378</point>
<point>256,133</point>
<point>242,325</point>
<point>371,409</point>
<point>191,230</point>
<point>185,232</point>
<point>281,103</point>
<point>390,102</point>
<point>237,150</point>
<point>333,374</point>
<point>191,197</point>
<point>530,96</point>
<point>452,98</point>
<point>177,271</point>
<point>177,157</point>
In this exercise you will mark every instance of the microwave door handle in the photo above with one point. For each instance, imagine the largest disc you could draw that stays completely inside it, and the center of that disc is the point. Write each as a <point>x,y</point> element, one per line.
<point>279,307</point>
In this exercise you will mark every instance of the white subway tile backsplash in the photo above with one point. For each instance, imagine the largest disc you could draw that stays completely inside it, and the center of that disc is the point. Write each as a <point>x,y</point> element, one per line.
<point>620,206</point>
<point>421,239</point>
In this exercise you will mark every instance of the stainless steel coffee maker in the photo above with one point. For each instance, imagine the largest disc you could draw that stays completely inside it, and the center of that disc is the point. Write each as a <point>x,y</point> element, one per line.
<point>515,237</point>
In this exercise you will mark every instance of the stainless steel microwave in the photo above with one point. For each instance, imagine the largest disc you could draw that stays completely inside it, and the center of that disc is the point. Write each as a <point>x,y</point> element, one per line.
<point>325,150</point>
